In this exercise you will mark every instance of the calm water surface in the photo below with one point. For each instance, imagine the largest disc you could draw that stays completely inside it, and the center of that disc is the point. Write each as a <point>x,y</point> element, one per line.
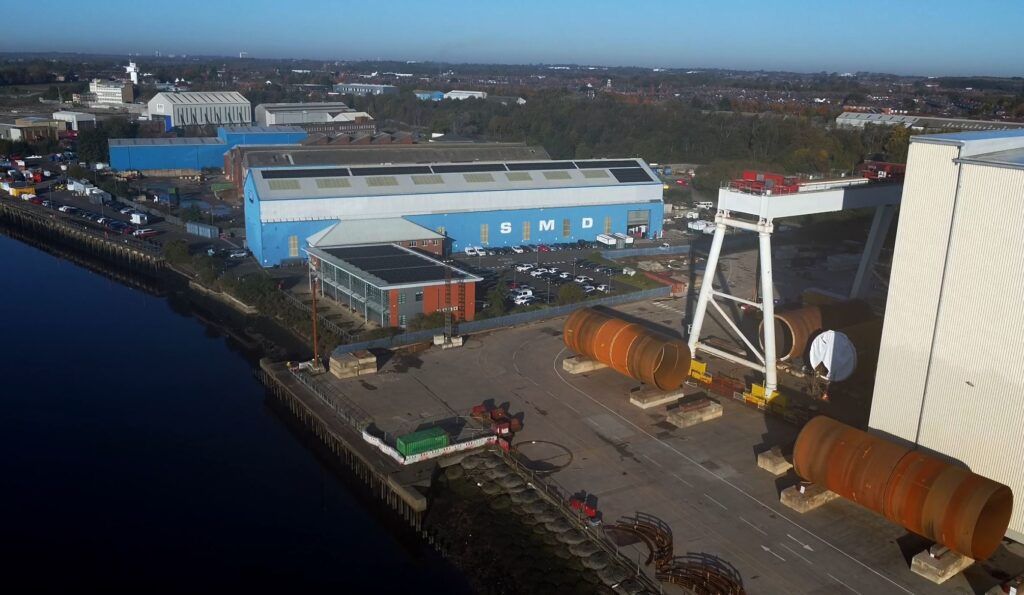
<point>140,454</point>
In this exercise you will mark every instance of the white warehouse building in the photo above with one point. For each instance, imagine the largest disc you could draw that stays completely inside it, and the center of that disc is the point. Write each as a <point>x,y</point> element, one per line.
<point>197,108</point>
<point>949,374</point>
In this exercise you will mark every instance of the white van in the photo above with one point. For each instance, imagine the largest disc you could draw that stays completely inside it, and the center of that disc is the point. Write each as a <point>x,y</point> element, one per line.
<point>705,205</point>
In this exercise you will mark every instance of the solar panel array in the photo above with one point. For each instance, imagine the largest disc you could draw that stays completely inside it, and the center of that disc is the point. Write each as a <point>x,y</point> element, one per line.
<point>392,265</point>
<point>624,170</point>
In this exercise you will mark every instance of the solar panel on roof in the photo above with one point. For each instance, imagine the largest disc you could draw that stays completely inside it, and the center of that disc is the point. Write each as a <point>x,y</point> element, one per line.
<point>284,184</point>
<point>606,164</point>
<point>557,175</point>
<point>630,174</point>
<point>478,178</point>
<point>468,168</point>
<point>540,166</point>
<point>595,174</point>
<point>519,176</point>
<point>378,181</point>
<point>390,171</point>
<point>391,264</point>
<point>280,174</point>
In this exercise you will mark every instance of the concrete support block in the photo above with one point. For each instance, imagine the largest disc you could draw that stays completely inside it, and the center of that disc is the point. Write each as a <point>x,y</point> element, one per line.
<point>579,364</point>
<point>439,341</point>
<point>698,411</point>
<point>773,461</point>
<point>806,497</point>
<point>938,564</point>
<point>350,365</point>
<point>647,397</point>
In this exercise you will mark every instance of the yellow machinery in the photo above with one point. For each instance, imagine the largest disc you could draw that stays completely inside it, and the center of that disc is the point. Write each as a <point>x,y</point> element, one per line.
<point>699,371</point>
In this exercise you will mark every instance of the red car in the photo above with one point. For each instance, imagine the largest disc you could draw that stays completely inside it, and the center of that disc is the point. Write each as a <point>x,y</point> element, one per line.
<point>543,248</point>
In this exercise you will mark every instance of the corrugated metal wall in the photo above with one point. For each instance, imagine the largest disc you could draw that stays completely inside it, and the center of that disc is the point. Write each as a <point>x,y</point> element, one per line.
<point>974,399</point>
<point>150,157</point>
<point>920,252</point>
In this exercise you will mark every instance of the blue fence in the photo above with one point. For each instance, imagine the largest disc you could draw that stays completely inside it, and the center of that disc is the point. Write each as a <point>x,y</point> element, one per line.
<point>488,324</point>
<point>655,251</point>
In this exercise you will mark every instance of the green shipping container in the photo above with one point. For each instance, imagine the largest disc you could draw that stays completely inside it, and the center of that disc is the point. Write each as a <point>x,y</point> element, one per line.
<point>422,441</point>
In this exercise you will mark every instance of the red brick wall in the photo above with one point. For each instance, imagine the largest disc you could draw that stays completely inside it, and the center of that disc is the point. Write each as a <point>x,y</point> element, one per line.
<point>425,246</point>
<point>393,303</point>
<point>433,300</point>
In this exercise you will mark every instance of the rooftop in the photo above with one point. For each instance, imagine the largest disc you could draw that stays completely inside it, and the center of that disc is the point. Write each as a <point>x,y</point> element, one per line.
<point>201,97</point>
<point>260,129</point>
<point>976,144</point>
<point>311,106</point>
<point>387,265</point>
<point>1012,158</point>
<point>269,156</point>
<point>370,231</point>
<point>153,142</point>
<point>337,182</point>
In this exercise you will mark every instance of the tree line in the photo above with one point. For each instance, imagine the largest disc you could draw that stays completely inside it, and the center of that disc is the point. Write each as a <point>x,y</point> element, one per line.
<point>572,127</point>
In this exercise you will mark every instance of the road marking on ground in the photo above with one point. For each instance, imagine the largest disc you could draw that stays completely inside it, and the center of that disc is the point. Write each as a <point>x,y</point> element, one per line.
<point>777,513</point>
<point>715,501</point>
<point>670,308</point>
<point>769,550</point>
<point>844,584</point>
<point>792,551</point>
<point>651,460</point>
<point>756,528</point>
<point>806,547</point>
<point>683,481</point>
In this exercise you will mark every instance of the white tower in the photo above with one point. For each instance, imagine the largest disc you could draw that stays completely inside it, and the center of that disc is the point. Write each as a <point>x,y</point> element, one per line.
<point>133,72</point>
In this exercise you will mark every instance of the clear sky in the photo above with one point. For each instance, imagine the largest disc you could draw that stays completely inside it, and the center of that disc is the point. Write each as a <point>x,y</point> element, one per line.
<point>930,37</point>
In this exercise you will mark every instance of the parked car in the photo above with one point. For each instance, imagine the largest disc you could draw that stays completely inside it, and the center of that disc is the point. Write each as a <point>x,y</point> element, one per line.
<point>517,249</point>
<point>522,268</point>
<point>589,289</point>
<point>238,254</point>
<point>604,288</point>
<point>543,248</point>
<point>125,211</point>
<point>145,233</point>
<point>471,251</point>
<point>565,275</point>
<point>582,279</point>
<point>538,272</point>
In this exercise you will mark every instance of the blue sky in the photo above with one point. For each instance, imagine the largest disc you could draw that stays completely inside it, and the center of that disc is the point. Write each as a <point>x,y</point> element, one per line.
<point>930,37</point>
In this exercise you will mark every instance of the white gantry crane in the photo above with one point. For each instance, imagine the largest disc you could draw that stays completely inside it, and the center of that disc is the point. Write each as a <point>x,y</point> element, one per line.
<point>754,210</point>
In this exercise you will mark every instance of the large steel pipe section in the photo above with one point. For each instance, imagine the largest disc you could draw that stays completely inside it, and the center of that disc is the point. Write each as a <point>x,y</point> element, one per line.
<point>794,329</point>
<point>964,511</point>
<point>628,348</point>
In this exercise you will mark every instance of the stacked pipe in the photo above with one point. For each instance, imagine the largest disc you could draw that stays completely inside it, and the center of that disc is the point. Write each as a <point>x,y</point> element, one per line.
<point>628,348</point>
<point>961,510</point>
<point>794,329</point>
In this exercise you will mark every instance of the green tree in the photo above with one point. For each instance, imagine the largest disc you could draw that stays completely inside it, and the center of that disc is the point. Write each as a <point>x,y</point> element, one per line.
<point>496,305</point>
<point>176,252</point>
<point>570,293</point>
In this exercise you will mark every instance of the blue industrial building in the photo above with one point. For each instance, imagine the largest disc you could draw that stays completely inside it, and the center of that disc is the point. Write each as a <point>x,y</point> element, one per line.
<point>470,204</point>
<point>195,153</point>
<point>429,95</point>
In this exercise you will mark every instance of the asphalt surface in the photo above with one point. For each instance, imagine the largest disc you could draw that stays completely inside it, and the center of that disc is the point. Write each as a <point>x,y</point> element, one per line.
<point>703,481</point>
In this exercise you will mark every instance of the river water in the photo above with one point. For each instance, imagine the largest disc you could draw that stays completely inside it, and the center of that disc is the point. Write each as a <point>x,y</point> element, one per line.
<point>140,454</point>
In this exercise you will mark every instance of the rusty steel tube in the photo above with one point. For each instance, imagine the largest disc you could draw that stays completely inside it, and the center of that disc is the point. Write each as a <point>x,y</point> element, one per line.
<point>794,329</point>
<point>628,348</point>
<point>961,510</point>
